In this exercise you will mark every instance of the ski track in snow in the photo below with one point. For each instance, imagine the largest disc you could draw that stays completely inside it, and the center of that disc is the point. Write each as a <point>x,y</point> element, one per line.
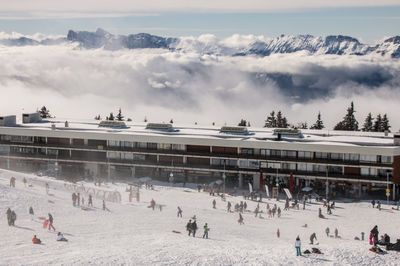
<point>132,234</point>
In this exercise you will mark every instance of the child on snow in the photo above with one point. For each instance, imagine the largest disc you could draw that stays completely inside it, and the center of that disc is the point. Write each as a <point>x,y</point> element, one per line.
<point>36,240</point>
<point>60,237</point>
<point>297,245</point>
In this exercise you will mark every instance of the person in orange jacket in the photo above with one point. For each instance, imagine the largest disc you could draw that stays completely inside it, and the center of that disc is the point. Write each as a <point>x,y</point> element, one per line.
<point>36,240</point>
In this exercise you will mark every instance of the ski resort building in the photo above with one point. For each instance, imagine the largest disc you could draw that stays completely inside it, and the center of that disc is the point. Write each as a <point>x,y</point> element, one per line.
<point>339,162</point>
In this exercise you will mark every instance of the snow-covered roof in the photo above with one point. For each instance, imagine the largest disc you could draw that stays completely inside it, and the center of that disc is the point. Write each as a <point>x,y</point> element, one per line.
<point>205,135</point>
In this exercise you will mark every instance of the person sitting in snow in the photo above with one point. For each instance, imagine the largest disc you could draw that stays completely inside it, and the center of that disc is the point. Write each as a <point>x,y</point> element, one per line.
<point>36,240</point>
<point>60,237</point>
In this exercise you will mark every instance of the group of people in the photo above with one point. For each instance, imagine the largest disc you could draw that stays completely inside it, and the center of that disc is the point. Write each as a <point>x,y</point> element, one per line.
<point>60,238</point>
<point>11,217</point>
<point>191,227</point>
<point>378,204</point>
<point>76,200</point>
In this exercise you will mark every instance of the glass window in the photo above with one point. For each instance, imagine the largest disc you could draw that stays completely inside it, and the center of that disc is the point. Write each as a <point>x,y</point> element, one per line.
<point>320,168</point>
<point>351,157</point>
<point>275,153</point>
<point>178,147</point>
<point>274,165</point>
<point>321,155</point>
<point>368,158</point>
<point>141,145</point>
<point>336,156</point>
<point>288,154</point>
<point>243,163</point>
<point>152,146</point>
<point>113,143</point>
<point>387,159</point>
<point>289,166</point>
<point>304,154</point>
<point>246,151</point>
<point>127,144</point>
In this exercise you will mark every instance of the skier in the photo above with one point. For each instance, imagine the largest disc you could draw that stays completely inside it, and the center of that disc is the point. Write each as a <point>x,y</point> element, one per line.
<point>8,213</point>
<point>229,206</point>
<point>13,218</point>
<point>189,227</point>
<point>379,205</point>
<point>24,180</point>
<point>90,203</point>
<point>297,244</point>
<point>279,212</point>
<point>278,233</point>
<point>31,212</point>
<point>60,237</point>
<point>312,238</point>
<point>336,233</point>
<point>374,234</point>
<point>327,231</point>
<point>194,228</point>
<point>206,229</point>
<point>179,214</point>
<point>51,222</point>
<point>36,240</point>
<point>240,219</point>
<point>214,203</point>
<point>73,199</point>
<point>373,203</point>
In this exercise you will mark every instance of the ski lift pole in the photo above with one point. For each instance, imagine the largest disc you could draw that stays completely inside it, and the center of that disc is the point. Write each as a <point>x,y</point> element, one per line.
<point>224,177</point>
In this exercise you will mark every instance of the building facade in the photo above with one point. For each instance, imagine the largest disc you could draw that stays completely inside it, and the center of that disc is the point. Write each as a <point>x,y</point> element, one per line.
<point>347,163</point>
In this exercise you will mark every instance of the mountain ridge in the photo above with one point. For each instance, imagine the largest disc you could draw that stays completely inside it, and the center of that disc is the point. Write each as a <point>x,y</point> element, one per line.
<point>284,44</point>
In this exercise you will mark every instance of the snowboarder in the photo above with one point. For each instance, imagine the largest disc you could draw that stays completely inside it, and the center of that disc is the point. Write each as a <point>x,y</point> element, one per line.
<point>51,222</point>
<point>13,218</point>
<point>206,229</point>
<point>374,234</point>
<point>179,214</point>
<point>60,237</point>
<point>90,202</point>
<point>297,244</point>
<point>214,203</point>
<point>327,231</point>
<point>229,206</point>
<point>189,227</point>
<point>240,221</point>
<point>312,238</point>
<point>194,228</point>
<point>8,213</point>
<point>373,203</point>
<point>36,240</point>
<point>336,233</point>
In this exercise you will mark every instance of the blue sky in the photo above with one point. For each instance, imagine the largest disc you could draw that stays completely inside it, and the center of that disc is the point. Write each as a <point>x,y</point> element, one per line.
<point>366,23</point>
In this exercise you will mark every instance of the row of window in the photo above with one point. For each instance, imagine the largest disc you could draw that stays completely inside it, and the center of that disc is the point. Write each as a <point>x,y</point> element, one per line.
<point>145,145</point>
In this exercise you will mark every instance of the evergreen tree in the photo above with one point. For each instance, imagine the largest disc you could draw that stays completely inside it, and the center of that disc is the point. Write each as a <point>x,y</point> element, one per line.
<point>368,124</point>
<point>385,123</point>
<point>378,124</point>
<point>302,125</point>
<point>171,121</point>
<point>349,121</point>
<point>318,124</point>
<point>44,112</point>
<point>248,124</point>
<point>111,117</point>
<point>119,116</point>
<point>242,123</point>
<point>271,120</point>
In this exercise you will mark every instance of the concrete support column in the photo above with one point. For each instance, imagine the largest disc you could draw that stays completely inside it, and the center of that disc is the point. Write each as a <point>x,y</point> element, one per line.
<point>359,190</point>
<point>240,181</point>
<point>256,181</point>
<point>394,192</point>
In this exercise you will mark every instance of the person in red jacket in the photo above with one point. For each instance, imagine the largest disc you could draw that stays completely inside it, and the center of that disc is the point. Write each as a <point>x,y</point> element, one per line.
<point>36,240</point>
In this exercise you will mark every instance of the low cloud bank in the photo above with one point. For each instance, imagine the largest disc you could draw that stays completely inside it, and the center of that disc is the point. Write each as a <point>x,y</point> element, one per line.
<point>192,87</point>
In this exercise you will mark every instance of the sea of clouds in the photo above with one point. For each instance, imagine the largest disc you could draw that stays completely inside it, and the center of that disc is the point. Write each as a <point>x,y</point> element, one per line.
<point>190,87</point>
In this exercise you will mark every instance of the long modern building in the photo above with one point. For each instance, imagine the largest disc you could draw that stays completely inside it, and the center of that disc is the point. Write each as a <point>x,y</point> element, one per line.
<point>346,163</point>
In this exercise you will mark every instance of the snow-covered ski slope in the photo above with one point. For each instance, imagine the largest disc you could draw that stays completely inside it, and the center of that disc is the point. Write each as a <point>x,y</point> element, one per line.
<point>132,234</point>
